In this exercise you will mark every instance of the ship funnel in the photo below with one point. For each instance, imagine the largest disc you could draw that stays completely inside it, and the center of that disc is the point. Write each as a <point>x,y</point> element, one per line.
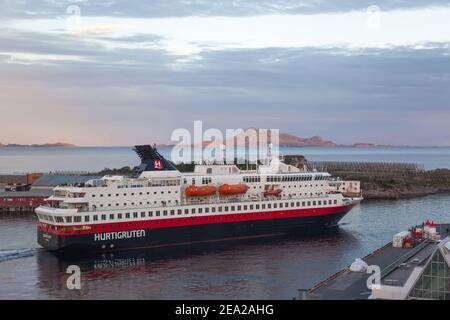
<point>151,160</point>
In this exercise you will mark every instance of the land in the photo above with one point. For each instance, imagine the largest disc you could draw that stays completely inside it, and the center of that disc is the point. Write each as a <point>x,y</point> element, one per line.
<point>380,187</point>
<point>250,137</point>
<point>382,181</point>
<point>45,145</point>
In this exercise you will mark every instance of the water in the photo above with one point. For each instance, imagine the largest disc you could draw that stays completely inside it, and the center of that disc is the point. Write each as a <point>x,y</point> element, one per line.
<point>20,160</point>
<point>260,269</point>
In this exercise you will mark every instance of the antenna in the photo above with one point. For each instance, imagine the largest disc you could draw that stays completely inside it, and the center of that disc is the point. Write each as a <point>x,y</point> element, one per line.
<point>223,149</point>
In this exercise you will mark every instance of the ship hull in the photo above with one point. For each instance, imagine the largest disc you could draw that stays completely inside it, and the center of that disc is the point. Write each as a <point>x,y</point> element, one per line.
<point>191,234</point>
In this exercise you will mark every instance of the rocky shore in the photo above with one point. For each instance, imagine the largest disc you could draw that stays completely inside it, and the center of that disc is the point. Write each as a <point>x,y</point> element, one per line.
<point>401,185</point>
<point>382,181</point>
<point>383,194</point>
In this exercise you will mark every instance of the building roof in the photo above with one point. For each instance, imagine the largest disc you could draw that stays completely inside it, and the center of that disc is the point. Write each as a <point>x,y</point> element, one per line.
<point>419,257</point>
<point>24,194</point>
<point>57,180</point>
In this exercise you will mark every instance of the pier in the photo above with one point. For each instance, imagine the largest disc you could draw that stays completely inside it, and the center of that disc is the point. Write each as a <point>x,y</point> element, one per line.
<point>397,266</point>
<point>23,193</point>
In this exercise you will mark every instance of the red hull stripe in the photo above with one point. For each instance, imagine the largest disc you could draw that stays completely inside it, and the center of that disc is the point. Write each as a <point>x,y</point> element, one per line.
<point>191,221</point>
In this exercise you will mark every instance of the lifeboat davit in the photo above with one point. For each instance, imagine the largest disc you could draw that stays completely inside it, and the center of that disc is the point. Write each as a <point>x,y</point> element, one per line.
<point>202,191</point>
<point>233,189</point>
<point>273,193</point>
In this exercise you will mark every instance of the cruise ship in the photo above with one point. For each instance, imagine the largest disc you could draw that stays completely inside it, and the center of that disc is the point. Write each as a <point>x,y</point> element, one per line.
<point>160,206</point>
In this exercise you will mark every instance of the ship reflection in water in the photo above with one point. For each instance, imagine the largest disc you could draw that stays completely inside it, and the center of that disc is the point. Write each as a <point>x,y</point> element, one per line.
<point>258,268</point>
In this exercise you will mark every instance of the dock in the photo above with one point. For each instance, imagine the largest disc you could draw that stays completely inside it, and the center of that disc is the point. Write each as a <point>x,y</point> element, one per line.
<point>397,266</point>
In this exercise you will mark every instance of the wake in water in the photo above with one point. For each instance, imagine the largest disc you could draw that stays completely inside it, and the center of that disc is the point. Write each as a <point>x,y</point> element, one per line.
<point>6,255</point>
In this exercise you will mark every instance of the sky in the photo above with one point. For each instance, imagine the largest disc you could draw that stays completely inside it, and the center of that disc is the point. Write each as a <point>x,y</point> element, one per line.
<point>110,72</point>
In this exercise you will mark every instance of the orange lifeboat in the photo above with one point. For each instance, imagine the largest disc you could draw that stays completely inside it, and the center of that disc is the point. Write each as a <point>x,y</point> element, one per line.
<point>203,191</point>
<point>273,193</point>
<point>233,189</point>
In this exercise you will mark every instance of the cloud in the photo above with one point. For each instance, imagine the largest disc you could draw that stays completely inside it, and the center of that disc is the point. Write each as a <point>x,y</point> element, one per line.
<point>100,29</point>
<point>373,96</point>
<point>182,8</point>
<point>131,80</point>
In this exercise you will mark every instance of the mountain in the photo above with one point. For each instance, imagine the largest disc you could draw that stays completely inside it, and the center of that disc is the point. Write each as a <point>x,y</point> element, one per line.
<point>288,140</point>
<point>250,136</point>
<point>45,145</point>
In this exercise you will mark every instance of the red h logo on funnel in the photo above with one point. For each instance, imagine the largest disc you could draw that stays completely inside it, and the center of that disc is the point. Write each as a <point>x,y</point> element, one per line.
<point>158,164</point>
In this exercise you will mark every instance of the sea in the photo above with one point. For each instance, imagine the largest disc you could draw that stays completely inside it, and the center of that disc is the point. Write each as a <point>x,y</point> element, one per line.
<point>83,159</point>
<point>271,268</point>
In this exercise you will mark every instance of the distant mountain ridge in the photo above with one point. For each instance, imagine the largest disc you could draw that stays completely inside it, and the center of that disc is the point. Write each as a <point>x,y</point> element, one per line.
<point>243,140</point>
<point>289,140</point>
<point>285,140</point>
<point>45,145</point>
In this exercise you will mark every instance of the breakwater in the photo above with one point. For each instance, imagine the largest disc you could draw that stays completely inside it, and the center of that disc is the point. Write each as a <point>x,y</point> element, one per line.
<point>381,180</point>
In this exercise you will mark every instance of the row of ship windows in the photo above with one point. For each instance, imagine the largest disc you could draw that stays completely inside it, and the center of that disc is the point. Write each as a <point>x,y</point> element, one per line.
<point>295,178</point>
<point>140,193</point>
<point>169,192</point>
<point>153,183</point>
<point>289,186</point>
<point>165,213</point>
<point>163,203</point>
<point>206,181</point>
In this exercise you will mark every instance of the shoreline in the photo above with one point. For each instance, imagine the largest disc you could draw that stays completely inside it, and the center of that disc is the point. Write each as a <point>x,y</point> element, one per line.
<point>383,196</point>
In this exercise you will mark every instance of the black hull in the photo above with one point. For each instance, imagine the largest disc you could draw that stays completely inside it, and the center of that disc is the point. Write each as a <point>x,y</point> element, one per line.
<point>175,236</point>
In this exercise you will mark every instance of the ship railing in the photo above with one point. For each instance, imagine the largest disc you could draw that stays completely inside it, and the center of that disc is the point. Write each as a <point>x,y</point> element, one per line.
<point>205,202</point>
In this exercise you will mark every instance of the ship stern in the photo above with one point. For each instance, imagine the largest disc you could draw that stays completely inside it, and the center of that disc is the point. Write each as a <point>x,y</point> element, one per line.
<point>49,241</point>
